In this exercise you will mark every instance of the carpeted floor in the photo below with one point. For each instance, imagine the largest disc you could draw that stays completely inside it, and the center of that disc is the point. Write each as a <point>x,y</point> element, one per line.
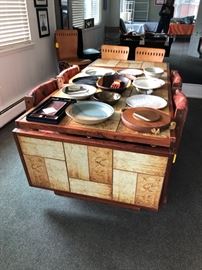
<point>189,67</point>
<point>41,231</point>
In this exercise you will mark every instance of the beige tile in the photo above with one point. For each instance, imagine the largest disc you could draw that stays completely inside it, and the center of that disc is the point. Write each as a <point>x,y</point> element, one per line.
<point>89,188</point>
<point>148,190</point>
<point>124,186</point>
<point>100,162</point>
<point>41,148</point>
<point>77,160</point>
<point>37,171</point>
<point>140,163</point>
<point>57,173</point>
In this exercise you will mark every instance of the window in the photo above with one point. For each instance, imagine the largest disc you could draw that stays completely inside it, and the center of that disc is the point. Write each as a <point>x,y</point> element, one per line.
<point>85,9</point>
<point>14,23</point>
<point>185,8</point>
<point>134,10</point>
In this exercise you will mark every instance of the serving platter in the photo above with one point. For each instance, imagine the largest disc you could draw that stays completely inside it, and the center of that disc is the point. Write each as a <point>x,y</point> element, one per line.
<point>148,83</point>
<point>149,101</point>
<point>78,91</point>
<point>131,71</point>
<point>89,112</point>
<point>144,119</point>
<point>98,71</point>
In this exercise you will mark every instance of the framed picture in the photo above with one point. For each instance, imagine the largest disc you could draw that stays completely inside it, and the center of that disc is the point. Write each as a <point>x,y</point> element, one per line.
<point>43,23</point>
<point>159,2</point>
<point>40,3</point>
<point>89,23</point>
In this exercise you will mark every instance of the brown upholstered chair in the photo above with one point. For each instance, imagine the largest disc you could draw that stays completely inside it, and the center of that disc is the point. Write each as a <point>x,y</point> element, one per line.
<point>38,93</point>
<point>66,43</point>
<point>149,54</point>
<point>114,52</point>
<point>66,75</point>
<point>180,115</point>
<point>176,80</point>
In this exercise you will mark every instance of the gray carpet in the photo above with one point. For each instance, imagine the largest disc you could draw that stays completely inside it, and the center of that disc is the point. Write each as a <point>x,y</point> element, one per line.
<point>42,231</point>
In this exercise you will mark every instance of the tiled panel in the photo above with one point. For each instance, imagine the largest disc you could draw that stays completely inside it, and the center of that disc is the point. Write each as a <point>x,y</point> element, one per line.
<point>140,163</point>
<point>148,190</point>
<point>77,160</point>
<point>100,164</point>
<point>41,148</point>
<point>89,188</point>
<point>57,174</point>
<point>37,171</point>
<point>124,186</point>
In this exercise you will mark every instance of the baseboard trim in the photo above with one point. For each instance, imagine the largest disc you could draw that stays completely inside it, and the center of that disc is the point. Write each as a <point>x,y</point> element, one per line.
<point>192,90</point>
<point>11,113</point>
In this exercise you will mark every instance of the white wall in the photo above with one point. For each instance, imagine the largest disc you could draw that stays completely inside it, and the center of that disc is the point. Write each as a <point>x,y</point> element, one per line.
<point>24,68</point>
<point>197,33</point>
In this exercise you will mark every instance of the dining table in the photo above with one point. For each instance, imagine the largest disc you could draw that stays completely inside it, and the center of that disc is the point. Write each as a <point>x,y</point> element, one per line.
<point>107,162</point>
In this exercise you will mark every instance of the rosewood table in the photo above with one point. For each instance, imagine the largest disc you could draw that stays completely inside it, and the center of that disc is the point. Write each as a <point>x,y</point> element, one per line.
<point>106,162</point>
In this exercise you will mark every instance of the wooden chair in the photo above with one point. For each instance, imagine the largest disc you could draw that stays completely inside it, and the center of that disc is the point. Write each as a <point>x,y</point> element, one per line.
<point>66,75</point>
<point>114,52</point>
<point>66,43</point>
<point>149,54</point>
<point>38,93</point>
<point>181,109</point>
<point>176,80</point>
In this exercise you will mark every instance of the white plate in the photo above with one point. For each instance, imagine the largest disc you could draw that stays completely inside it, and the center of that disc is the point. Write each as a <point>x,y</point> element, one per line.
<point>89,112</point>
<point>148,83</point>
<point>131,71</point>
<point>98,71</point>
<point>149,101</point>
<point>81,91</point>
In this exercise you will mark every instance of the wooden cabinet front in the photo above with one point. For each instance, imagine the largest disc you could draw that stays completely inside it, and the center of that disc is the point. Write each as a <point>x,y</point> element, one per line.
<point>96,168</point>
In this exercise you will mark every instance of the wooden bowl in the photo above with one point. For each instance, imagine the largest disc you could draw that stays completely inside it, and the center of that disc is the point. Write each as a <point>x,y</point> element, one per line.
<point>106,83</point>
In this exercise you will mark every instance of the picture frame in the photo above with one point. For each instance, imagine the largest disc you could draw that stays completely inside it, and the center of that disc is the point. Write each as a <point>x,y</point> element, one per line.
<point>159,2</point>
<point>40,3</point>
<point>89,23</point>
<point>43,22</point>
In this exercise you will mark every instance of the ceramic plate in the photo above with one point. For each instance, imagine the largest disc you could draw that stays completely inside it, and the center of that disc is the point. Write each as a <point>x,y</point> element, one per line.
<point>149,101</point>
<point>148,83</point>
<point>131,71</point>
<point>98,71</point>
<point>78,91</point>
<point>89,112</point>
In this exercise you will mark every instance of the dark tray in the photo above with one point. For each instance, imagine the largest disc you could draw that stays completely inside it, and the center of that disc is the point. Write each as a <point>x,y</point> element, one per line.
<point>90,80</point>
<point>50,111</point>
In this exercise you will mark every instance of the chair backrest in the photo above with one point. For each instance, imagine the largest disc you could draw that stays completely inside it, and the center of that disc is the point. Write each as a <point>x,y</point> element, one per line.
<point>38,93</point>
<point>64,76</point>
<point>149,54</point>
<point>114,52</point>
<point>180,115</point>
<point>122,26</point>
<point>66,43</point>
<point>176,80</point>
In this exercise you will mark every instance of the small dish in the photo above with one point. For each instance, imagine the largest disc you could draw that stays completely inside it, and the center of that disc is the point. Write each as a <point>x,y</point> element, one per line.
<point>89,112</point>
<point>108,97</point>
<point>148,83</point>
<point>155,72</point>
<point>78,91</point>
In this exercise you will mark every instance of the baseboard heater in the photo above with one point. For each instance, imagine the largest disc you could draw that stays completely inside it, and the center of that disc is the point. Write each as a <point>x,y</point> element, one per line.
<point>11,111</point>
